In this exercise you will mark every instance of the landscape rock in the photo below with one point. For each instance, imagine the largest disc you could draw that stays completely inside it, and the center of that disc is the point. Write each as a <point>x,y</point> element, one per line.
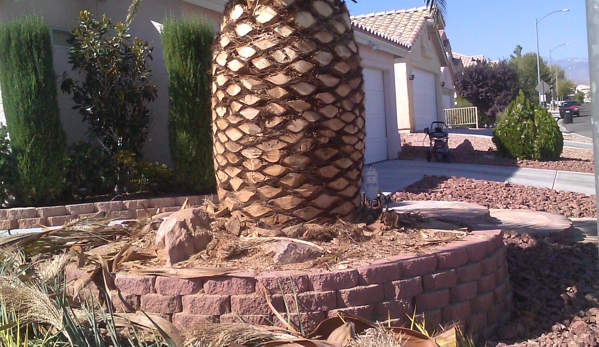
<point>465,146</point>
<point>288,252</point>
<point>183,234</point>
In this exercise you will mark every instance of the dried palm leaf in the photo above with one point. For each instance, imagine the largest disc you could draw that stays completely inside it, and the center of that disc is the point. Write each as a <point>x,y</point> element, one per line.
<point>298,343</point>
<point>151,322</point>
<point>187,273</point>
<point>50,269</point>
<point>20,240</point>
<point>343,334</point>
<point>277,313</point>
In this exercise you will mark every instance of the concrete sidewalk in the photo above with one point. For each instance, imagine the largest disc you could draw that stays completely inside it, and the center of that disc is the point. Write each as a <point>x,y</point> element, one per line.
<point>398,174</point>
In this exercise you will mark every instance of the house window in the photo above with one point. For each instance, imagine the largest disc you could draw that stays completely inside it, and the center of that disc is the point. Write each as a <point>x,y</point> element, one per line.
<point>60,37</point>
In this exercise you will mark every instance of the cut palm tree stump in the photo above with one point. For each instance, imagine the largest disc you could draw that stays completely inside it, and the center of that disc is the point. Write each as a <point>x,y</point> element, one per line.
<point>288,111</point>
<point>454,210</point>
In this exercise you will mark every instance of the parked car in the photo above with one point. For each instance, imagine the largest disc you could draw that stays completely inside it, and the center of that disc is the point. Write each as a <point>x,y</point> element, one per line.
<point>572,106</point>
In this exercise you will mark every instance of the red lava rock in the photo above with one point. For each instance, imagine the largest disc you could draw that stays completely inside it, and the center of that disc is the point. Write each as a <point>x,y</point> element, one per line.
<point>499,195</point>
<point>542,272</point>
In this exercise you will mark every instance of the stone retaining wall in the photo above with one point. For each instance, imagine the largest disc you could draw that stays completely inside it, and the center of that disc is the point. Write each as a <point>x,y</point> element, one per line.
<point>464,281</point>
<point>31,217</point>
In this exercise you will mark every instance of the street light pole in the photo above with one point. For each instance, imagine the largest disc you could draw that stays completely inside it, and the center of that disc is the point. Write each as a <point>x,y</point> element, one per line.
<point>542,95</point>
<point>551,65</point>
<point>556,85</point>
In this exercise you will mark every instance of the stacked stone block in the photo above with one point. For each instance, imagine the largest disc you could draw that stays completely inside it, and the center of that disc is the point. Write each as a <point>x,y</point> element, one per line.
<point>32,217</point>
<point>465,281</point>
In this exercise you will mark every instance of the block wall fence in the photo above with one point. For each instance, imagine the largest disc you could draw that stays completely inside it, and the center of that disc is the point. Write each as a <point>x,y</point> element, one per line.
<point>464,281</point>
<point>31,217</point>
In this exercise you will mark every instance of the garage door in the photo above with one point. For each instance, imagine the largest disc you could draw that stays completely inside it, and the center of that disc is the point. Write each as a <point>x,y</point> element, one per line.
<point>425,99</point>
<point>376,126</point>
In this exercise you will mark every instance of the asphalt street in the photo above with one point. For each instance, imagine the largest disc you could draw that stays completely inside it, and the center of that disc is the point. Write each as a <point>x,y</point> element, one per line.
<point>582,125</point>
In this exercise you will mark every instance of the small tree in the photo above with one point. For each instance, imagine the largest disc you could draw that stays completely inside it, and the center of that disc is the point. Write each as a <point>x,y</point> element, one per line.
<point>488,86</point>
<point>116,86</point>
<point>579,97</point>
<point>187,55</point>
<point>526,68</point>
<point>37,139</point>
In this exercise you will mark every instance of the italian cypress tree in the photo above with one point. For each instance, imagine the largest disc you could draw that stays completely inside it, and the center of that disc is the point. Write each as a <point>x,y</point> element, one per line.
<point>187,55</point>
<point>29,96</point>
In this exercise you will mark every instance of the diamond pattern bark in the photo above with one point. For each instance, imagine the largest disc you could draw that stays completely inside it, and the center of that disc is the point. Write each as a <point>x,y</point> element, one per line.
<point>288,110</point>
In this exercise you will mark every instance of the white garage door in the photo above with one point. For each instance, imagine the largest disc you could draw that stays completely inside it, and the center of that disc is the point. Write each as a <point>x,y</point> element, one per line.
<point>425,99</point>
<point>376,126</point>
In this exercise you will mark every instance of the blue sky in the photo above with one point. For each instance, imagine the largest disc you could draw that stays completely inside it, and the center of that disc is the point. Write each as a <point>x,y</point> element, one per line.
<point>494,28</point>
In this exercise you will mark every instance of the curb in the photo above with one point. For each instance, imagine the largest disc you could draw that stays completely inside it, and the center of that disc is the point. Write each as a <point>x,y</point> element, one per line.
<point>562,128</point>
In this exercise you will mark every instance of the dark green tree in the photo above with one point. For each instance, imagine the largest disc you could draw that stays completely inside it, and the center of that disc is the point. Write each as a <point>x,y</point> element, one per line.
<point>28,82</point>
<point>187,55</point>
<point>566,89</point>
<point>488,86</point>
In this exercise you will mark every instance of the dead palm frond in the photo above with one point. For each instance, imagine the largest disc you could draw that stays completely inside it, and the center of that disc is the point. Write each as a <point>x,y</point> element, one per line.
<point>48,270</point>
<point>84,233</point>
<point>438,9</point>
<point>187,273</point>
<point>132,11</point>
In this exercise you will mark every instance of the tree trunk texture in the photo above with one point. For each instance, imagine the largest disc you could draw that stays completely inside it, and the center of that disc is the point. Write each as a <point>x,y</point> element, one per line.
<point>288,111</point>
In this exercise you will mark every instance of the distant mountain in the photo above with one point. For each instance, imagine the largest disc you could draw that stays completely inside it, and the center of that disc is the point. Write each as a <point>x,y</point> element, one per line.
<point>577,69</point>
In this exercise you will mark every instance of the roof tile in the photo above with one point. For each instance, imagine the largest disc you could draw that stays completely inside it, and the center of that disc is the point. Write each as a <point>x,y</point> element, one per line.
<point>400,26</point>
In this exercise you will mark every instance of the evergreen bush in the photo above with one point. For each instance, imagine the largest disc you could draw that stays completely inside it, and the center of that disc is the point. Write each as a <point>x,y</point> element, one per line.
<point>528,131</point>
<point>187,55</point>
<point>89,167</point>
<point>30,103</point>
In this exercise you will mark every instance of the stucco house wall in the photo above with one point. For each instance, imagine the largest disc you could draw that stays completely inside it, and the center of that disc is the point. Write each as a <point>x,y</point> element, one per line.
<point>63,15</point>
<point>425,55</point>
<point>379,55</point>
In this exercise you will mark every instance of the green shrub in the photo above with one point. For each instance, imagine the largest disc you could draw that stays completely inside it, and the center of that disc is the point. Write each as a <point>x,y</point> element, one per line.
<point>187,56</point>
<point>153,176</point>
<point>528,131</point>
<point>32,115</point>
<point>89,167</point>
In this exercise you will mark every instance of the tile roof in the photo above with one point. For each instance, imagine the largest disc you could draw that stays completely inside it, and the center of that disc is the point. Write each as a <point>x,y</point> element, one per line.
<point>469,60</point>
<point>400,26</point>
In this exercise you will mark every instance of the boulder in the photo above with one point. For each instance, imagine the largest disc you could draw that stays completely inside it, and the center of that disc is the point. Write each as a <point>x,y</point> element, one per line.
<point>183,234</point>
<point>289,252</point>
<point>466,146</point>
